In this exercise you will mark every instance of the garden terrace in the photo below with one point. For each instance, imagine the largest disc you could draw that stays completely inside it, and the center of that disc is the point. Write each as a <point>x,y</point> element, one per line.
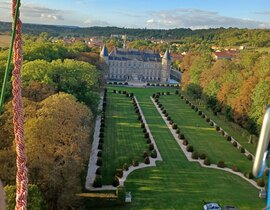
<point>203,137</point>
<point>176,183</point>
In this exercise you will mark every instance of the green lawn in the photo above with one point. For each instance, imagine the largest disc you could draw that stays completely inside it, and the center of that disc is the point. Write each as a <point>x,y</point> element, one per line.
<point>240,134</point>
<point>176,183</point>
<point>203,137</point>
<point>124,140</point>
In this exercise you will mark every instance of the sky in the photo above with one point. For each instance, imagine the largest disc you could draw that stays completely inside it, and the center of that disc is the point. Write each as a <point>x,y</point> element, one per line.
<point>152,14</point>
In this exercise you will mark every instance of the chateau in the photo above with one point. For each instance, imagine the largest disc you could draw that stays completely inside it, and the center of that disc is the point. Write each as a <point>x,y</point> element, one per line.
<point>134,65</point>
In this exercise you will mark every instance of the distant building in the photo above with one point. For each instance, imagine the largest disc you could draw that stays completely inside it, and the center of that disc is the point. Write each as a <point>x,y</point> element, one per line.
<point>229,54</point>
<point>135,65</point>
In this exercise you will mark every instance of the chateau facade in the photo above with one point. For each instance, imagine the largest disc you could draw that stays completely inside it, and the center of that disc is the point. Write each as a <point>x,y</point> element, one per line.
<point>134,65</point>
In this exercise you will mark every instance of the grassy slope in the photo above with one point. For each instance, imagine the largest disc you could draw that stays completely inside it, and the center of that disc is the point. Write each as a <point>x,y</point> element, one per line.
<point>202,136</point>
<point>178,184</point>
<point>124,139</point>
<point>240,134</point>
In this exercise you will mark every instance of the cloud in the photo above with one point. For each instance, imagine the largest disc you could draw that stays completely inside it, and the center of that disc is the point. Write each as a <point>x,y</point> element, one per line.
<point>92,22</point>
<point>34,12</point>
<point>198,19</point>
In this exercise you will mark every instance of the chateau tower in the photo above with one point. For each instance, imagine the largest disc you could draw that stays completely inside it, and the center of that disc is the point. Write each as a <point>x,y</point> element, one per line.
<point>166,67</point>
<point>104,55</point>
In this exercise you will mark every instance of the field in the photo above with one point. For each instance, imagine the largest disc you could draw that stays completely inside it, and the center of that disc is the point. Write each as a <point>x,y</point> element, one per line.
<point>4,40</point>
<point>176,183</point>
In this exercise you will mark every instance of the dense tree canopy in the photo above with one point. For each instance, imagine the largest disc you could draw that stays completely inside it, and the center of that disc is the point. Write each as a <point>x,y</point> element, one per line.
<point>57,136</point>
<point>75,77</point>
<point>239,88</point>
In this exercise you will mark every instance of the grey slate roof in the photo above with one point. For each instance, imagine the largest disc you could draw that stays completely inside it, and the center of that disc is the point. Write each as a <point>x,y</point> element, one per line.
<point>167,55</point>
<point>133,54</point>
<point>104,51</point>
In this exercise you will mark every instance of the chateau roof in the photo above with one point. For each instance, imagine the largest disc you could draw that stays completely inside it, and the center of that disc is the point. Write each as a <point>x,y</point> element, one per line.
<point>134,54</point>
<point>167,55</point>
<point>104,51</point>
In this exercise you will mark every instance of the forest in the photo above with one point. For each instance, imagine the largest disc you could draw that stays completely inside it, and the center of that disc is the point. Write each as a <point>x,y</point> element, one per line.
<point>214,36</point>
<point>60,97</point>
<point>238,88</point>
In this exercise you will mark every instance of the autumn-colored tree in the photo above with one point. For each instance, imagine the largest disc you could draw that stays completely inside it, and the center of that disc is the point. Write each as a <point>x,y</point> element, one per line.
<point>57,146</point>
<point>38,91</point>
<point>242,102</point>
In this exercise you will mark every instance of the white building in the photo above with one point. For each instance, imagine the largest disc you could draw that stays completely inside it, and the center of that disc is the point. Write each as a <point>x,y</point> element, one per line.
<point>135,65</point>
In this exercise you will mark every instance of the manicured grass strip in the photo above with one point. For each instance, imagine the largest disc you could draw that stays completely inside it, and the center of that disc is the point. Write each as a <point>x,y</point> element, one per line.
<point>124,140</point>
<point>176,183</point>
<point>204,138</point>
<point>240,134</point>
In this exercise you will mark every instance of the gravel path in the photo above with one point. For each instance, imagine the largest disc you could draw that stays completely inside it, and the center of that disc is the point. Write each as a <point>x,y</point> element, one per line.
<point>188,154</point>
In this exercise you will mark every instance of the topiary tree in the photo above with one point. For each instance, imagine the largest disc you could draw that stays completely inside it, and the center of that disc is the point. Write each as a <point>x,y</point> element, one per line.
<point>221,164</point>
<point>178,131</point>
<point>115,181</point>
<point>125,167</point>
<point>154,154</point>
<point>146,160</point>
<point>234,144</point>
<point>207,162</point>
<point>99,154</point>
<point>189,148</point>
<point>195,155</point>
<point>249,175</point>
<point>202,156</point>
<point>145,154</point>
<point>146,135</point>
<point>99,161</point>
<point>119,172</point>
<point>101,140</point>
<point>148,141</point>
<point>135,163</point>
<point>100,146</point>
<point>174,126</point>
<point>98,171</point>
<point>185,142</point>
<point>151,146</point>
<point>234,168</point>
<point>260,182</point>
<point>242,149</point>
<point>97,181</point>
<point>250,157</point>
<point>182,136</point>
<point>229,138</point>
<point>142,125</point>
